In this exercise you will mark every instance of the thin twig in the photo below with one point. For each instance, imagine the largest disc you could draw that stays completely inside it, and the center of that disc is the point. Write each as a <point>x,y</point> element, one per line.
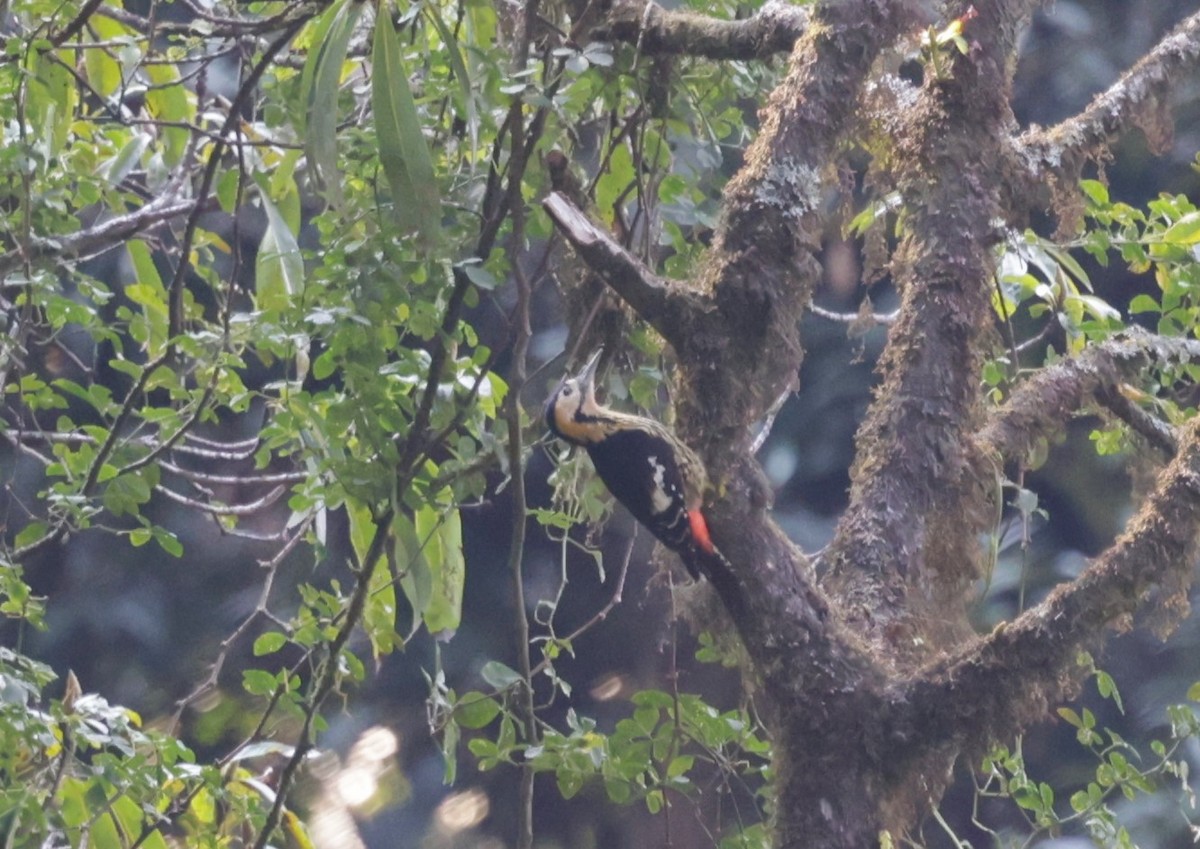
<point>601,614</point>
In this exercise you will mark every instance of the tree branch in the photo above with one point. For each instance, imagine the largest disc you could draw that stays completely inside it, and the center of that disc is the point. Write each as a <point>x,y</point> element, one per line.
<point>773,29</point>
<point>101,237</point>
<point>657,302</point>
<point>903,554</point>
<point>1038,408</point>
<point>1154,430</point>
<point>764,264</point>
<point>1138,98</point>
<point>1027,665</point>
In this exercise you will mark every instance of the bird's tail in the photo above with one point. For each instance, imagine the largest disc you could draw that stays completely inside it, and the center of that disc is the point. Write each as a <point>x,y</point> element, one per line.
<point>705,560</point>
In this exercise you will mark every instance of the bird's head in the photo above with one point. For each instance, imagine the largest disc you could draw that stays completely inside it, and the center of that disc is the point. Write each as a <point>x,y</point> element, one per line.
<point>571,410</point>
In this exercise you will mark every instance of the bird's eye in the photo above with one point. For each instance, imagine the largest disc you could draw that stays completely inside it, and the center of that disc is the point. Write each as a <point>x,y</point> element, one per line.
<point>566,392</point>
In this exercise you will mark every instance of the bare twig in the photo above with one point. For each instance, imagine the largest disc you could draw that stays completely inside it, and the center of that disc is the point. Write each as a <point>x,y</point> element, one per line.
<point>247,509</point>
<point>233,115</point>
<point>601,614</point>
<point>1028,660</point>
<point>260,609</point>
<point>854,317</point>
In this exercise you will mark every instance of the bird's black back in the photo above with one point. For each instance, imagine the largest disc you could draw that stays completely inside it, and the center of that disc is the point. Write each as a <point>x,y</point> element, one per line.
<point>630,485</point>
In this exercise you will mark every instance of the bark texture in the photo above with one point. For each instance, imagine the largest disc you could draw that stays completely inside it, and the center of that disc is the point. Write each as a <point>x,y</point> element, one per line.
<point>871,673</point>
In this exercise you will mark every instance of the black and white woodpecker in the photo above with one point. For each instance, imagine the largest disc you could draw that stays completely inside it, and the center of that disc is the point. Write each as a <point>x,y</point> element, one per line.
<point>644,465</point>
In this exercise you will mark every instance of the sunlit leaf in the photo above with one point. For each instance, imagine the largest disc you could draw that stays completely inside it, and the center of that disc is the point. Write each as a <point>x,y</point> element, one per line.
<point>1185,231</point>
<point>51,97</point>
<point>168,100</point>
<point>444,555</point>
<point>103,71</point>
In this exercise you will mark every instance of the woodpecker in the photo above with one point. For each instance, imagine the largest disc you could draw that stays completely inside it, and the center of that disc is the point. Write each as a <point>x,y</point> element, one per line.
<point>644,465</point>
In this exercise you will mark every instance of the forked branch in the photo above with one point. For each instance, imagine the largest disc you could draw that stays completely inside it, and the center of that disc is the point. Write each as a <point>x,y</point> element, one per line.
<point>1040,407</point>
<point>1028,664</point>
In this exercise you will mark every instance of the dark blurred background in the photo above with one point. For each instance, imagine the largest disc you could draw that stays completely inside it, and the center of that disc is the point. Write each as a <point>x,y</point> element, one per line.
<point>141,628</point>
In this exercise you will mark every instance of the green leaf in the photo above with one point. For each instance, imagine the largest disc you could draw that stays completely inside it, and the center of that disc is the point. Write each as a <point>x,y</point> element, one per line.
<point>415,578</point>
<point>168,542</point>
<point>36,530</point>
<point>615,180</point>
<point>569,782</point>
<point>279,269</point>
<point>447,569</point>
<point>362,527</point>
<point>680,765</point>
<point>269,643</point>
<point>480,276</point>
<point>169,100</point>
<point>1185,231</point>
<point>150,294</point>
<point>103,71</point>
<point>499,675</point>
<point>227,190</point>
<point>1143,303</point>
<point>129,157</point>
<point>474,710</point>
<point>379,614</point>
<point>618,790</point>
<point>1107,688</point>
<point>464,103</point>
<point>51,97</point>
<point>125,494</point>
<point>403,150</point>
<point>1096,191</point>
<point>450,737</point>
<point>104,834</point>
<point>319,88</point>
<point>1070,716</point>
<point>258,682</point>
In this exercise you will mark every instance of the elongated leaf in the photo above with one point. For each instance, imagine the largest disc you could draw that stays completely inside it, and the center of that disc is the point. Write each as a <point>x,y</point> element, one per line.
<point>279,269</point>
<point>362,527</point>
<point>444,555</point>
<point>51,97</point>
<point>128,158</point>
<point>103,71</point>
<point>415,579</point>
<point>403,151</point>
<point>379,614</point>
<point>320,83</point>
<point>150,294</point>
<point>168,100</point>
<point>316,42</point>
<point>464,103</point>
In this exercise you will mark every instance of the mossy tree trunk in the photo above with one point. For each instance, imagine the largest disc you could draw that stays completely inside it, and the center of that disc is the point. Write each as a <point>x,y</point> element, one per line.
<point>872,674</point>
